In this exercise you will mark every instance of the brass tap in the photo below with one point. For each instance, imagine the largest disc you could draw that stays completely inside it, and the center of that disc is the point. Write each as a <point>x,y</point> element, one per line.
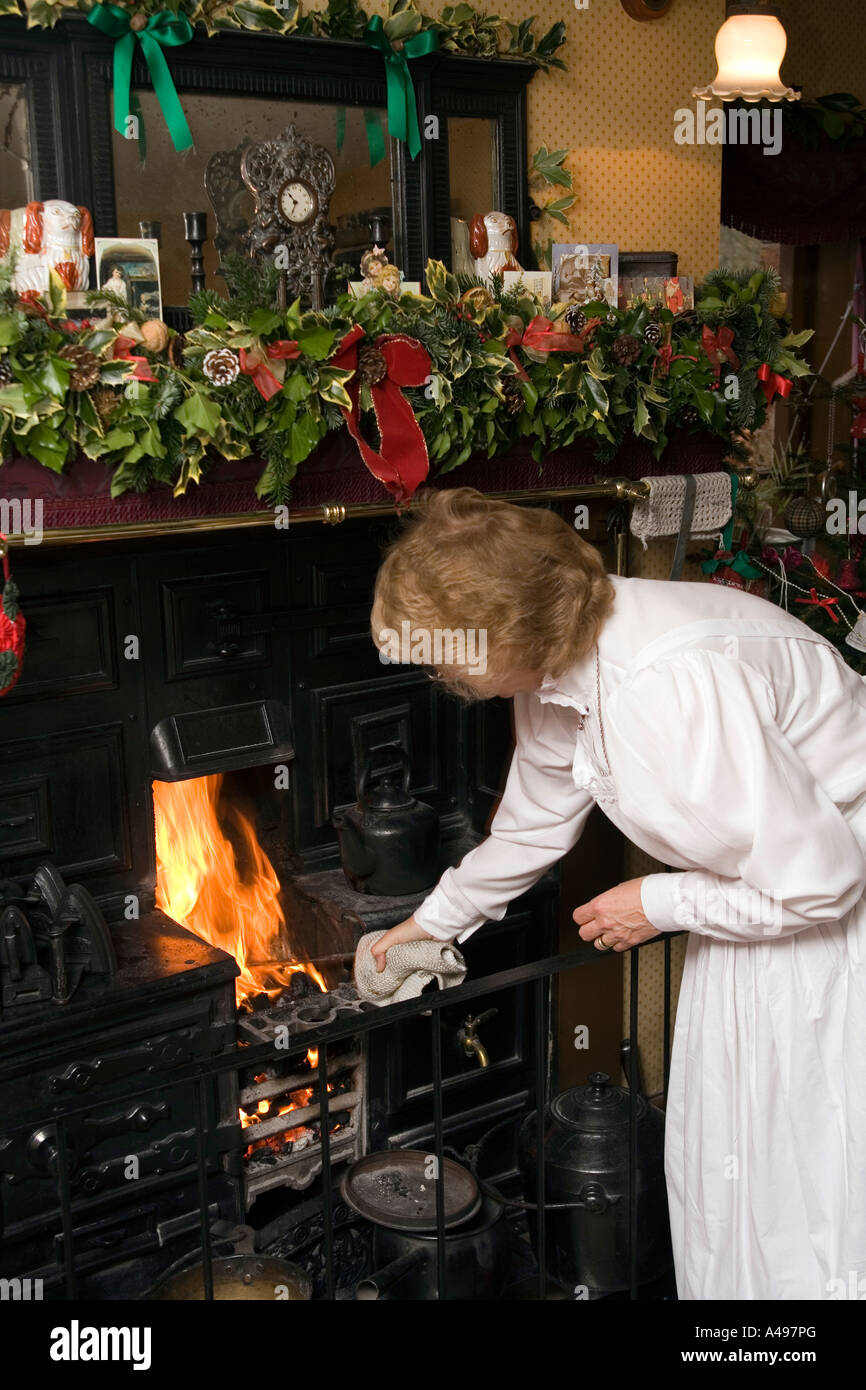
<point>468,1040</point>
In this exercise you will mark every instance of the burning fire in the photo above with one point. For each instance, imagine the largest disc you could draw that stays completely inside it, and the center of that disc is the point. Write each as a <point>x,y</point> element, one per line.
<point>224,890</point>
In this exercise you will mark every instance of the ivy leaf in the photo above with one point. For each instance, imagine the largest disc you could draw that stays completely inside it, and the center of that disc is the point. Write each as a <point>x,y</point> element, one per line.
<point>316,342</point>
<point>296,387</point>
<point>9,331</point>
<point>304,438</point>
<point>265,321</point>
<point>197,413</point>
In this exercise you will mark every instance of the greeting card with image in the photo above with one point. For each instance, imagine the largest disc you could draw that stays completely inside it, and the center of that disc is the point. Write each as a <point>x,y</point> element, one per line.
<point>680,293</point>
<point>585,273</point>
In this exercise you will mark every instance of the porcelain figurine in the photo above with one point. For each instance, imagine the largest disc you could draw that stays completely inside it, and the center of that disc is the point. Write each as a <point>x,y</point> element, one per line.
<point>493,243</point>
<point>53,235</point>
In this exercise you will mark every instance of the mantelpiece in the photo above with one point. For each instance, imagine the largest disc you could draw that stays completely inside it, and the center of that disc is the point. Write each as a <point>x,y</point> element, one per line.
<point>330,486</point>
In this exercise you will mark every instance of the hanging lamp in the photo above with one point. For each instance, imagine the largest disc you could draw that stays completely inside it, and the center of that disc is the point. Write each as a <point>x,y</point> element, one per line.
<point>750,47</point>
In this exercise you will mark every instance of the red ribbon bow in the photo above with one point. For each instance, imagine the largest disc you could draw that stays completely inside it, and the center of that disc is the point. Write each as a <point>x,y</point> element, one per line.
<point>719,348</point>
<point>858,424</point>
<point>514,339</point>
<point>666,356</point>
<point>771,382</point>
<point>253,364</point>
<point>402,462</point>
<point>122,353</point>
<point>541,336</point>
<point>815,601</point>
<point>12,627</point>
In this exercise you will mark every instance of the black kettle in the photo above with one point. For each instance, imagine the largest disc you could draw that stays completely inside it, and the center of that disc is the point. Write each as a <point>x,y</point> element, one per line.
<point>389,842</point>
<point>586,1160</point>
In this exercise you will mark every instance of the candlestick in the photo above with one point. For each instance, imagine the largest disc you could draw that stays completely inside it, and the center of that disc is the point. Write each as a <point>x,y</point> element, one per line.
<point>151,231</point>
<point>195,232</point>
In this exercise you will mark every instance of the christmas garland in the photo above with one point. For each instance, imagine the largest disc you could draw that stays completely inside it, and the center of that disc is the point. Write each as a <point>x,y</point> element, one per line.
<point>460,28</point>
<point>498,368</point>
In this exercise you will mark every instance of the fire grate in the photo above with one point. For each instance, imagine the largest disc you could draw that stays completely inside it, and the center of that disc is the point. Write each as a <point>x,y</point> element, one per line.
<point>279,1106</point>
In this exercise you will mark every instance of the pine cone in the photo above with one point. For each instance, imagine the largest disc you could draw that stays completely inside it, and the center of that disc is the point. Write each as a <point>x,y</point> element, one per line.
<point>627,349</point>
<point>84,364</point>
<point>576,319</point>
<point>175,350</point>
<point>5,371</point>
<point>654,333</point>
<point>221,366</point>
<point>372,366</point>
<point>514,401</point>
<point>105,400</point>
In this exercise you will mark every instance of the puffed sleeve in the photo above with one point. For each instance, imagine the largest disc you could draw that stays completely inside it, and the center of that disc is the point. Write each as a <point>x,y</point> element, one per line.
<point>541,815</point>
<point>714,774</point>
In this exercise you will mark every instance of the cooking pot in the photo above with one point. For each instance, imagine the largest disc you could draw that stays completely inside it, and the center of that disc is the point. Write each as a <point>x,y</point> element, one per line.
<point>586,1163</point>
<point>389,842</point>
<point>395,1190</point>
<point>476,1261</point>
<point>242,1275</point>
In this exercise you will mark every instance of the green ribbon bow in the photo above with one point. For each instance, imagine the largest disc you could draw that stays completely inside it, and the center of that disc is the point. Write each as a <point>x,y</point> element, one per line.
<point>738,562</point>
<point>402,112</point>
<point>163,30</point>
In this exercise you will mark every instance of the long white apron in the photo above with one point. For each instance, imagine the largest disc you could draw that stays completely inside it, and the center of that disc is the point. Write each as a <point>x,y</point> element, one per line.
<point>759,777</point>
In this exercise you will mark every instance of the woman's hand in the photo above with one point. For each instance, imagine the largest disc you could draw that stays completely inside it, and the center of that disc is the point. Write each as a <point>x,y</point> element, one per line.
<point>405,931</point>
<point>616,915</point>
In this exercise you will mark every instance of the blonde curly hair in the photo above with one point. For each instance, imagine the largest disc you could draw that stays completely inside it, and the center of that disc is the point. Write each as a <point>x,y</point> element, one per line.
<point>466,561</point>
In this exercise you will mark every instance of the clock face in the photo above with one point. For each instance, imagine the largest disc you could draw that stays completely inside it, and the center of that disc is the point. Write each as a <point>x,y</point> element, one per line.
<point>297,203</point>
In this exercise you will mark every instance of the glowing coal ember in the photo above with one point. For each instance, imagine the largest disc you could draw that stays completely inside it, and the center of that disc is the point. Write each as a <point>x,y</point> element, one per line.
<point>214,878</point>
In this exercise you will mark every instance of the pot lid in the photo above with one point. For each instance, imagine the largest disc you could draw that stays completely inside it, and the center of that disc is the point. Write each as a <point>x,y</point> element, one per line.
<point>394,1189</point>
<point>597,1106</point>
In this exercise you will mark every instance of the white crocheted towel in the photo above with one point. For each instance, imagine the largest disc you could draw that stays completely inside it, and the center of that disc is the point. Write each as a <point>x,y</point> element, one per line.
<point>409,966</point>
<point>661,513</point>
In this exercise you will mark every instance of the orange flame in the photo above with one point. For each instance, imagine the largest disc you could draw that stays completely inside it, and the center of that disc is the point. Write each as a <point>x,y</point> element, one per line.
<point>203,886</point>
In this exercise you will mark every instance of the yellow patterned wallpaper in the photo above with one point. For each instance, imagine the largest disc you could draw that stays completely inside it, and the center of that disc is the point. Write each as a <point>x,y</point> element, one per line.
<point>614,109</point>
<point>825,46</point>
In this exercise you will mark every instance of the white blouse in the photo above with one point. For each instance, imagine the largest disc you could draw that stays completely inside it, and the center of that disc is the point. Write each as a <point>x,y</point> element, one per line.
<point>737,746</point>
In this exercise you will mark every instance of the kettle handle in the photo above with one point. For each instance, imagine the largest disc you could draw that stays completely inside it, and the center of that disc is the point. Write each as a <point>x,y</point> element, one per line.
<point>384,748</point>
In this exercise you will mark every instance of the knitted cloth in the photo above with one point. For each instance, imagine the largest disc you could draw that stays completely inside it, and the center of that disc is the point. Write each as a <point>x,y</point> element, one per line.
<point>660,514</point>
<point>409,966</point>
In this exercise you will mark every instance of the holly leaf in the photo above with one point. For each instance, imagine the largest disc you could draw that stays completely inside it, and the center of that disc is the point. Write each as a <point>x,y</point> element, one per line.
<point>52,376</point>
<point>9,330</point>
<point>46,445</point>
<point>794,340</point>
<point>333,390</point>
<point>441,284</point>
<point>593,387</point>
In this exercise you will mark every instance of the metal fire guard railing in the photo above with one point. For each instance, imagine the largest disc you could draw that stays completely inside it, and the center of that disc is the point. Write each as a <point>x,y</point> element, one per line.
<point>536,975</point>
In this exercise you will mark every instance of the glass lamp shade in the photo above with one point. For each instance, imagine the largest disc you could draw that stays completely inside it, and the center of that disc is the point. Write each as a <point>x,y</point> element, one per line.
<point>749,53</point>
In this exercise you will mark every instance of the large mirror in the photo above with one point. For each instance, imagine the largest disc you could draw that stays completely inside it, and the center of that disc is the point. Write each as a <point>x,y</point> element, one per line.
<point>16,160</point>
<point>207,178</point>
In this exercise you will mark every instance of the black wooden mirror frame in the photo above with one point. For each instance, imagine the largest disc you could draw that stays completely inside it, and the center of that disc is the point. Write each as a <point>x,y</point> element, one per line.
<point>67,71</point>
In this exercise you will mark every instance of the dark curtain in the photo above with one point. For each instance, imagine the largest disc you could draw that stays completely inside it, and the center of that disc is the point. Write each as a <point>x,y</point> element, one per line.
<point>800,197</point>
